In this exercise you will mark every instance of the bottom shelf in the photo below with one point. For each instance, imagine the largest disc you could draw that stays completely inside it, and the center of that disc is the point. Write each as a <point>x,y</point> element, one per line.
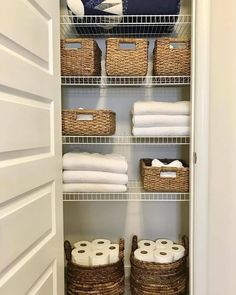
<point>135,192</point>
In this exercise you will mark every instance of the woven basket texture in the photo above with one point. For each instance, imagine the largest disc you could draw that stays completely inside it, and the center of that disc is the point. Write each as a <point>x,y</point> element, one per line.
<point>83,61</point>
<point>153,182</point>
<point>126,62</point>
<point>170,60</point>
<point>95,280</point>
<point>99,122</point>
<point>150,278</point>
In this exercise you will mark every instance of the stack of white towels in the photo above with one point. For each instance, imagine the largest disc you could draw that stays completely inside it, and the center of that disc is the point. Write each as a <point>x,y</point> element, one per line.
<point>161,251</point>
<point>97,252</point>
<point>93,172</point>
<point>152,118</point>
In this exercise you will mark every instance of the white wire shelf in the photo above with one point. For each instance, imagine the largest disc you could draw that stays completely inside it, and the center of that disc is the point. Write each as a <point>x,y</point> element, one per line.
<point>125,81</point>
<point>73,26</point>
<point>135,192</point>
<point>126,140</point>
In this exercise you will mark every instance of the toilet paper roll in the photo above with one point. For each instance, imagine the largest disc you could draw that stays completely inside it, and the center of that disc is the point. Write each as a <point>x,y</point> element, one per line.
<point>177,250</point>
<point>81,256</point>
<point>147,244</point>
<point>144,255</point>
<point>99,257</point>
<point>163,243</point>
<point>163,256</point>
<point>100,244</point>
<point>113,253</point>
<point>83,245</point>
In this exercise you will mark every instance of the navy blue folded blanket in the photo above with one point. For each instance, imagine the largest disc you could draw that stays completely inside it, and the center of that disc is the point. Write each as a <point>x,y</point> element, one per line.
<point>124,7</point>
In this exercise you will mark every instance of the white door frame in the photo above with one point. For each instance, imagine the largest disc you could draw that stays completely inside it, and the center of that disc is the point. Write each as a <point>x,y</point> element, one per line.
<point>199,178</point>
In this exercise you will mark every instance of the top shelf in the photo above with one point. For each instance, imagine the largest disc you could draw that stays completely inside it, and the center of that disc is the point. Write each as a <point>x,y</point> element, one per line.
<point>151,26</point>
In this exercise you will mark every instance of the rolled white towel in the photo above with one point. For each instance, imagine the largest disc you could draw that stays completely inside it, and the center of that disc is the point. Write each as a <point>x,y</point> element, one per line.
<point>93,188</point>
<point>161,131</point>
<point>161,120</point>
<point>94,177</point>
<point>95,162</point>
<point>175,163</point>
<point>161,108</point>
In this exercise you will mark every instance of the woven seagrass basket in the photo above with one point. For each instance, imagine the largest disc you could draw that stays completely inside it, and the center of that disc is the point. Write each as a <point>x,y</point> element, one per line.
<point>95,280</point>
<point>126,61</point>
<point>150,278</point>
<point>88,122</point>
<point>154,182</point>
<point>80,57</point>
<point>172,57</point>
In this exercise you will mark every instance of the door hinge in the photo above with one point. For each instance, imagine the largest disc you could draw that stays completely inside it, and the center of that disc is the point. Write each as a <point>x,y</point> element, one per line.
<point>194,157</point>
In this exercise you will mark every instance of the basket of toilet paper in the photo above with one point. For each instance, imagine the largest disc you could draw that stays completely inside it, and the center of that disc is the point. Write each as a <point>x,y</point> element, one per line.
<point>95,267</point>
<point>159,267</point>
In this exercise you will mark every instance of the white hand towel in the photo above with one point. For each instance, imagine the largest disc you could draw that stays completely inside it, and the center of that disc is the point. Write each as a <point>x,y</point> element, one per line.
<point>95,162</point>
<point>161,131</point>
<point>93,188</point>
<point>161,120</point>
<point>94,177</point>
<point>161,108</point>
<point>175,163</point>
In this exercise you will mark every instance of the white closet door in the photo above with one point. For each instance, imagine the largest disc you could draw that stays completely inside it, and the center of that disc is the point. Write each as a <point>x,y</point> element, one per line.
<point>31,243</point>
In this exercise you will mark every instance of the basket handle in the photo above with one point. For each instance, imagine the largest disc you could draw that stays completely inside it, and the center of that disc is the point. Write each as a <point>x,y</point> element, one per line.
<point>168,169</point>
<point>181,44</point>
<point>83,115</point>
<point>73,44</point>
<point>68,249</point>
<point>134,243</point>
<point>185,242</point>
<point>121,248</point>
<point>126,45</point>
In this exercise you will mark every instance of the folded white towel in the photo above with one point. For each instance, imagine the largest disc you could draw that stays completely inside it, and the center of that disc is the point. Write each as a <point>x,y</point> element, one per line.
<point>161,120</point>
<point>161,108</point>
<point>95,162</point>
<point>175,163</point>
<point>93,188</point>
<point>94,177</point>
<point>161,131</point>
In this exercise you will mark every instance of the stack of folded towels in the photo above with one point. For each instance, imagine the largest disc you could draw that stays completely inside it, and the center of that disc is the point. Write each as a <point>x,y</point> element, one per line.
<point>152,118</point>
<point>161,251</point>
<point>97,252</point>
<point>92,172</point>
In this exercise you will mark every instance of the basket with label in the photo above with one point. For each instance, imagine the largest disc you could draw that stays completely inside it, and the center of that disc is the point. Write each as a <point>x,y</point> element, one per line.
<point>88,122</point>
<point>150,278</point>
<point>95,280</point>
<point>80,57</point>
<point>164,179</point>
<point>172,57</point>
<point>126,57</point>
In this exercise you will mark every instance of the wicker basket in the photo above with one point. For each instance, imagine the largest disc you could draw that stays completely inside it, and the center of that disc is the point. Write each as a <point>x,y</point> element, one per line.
<point>153,182</point>
<point>150,278</point>
<point>126,62</point>
<point>170,60</point>
<point>88,122</point>
<point>96,280</point>
<point>85,60</point>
